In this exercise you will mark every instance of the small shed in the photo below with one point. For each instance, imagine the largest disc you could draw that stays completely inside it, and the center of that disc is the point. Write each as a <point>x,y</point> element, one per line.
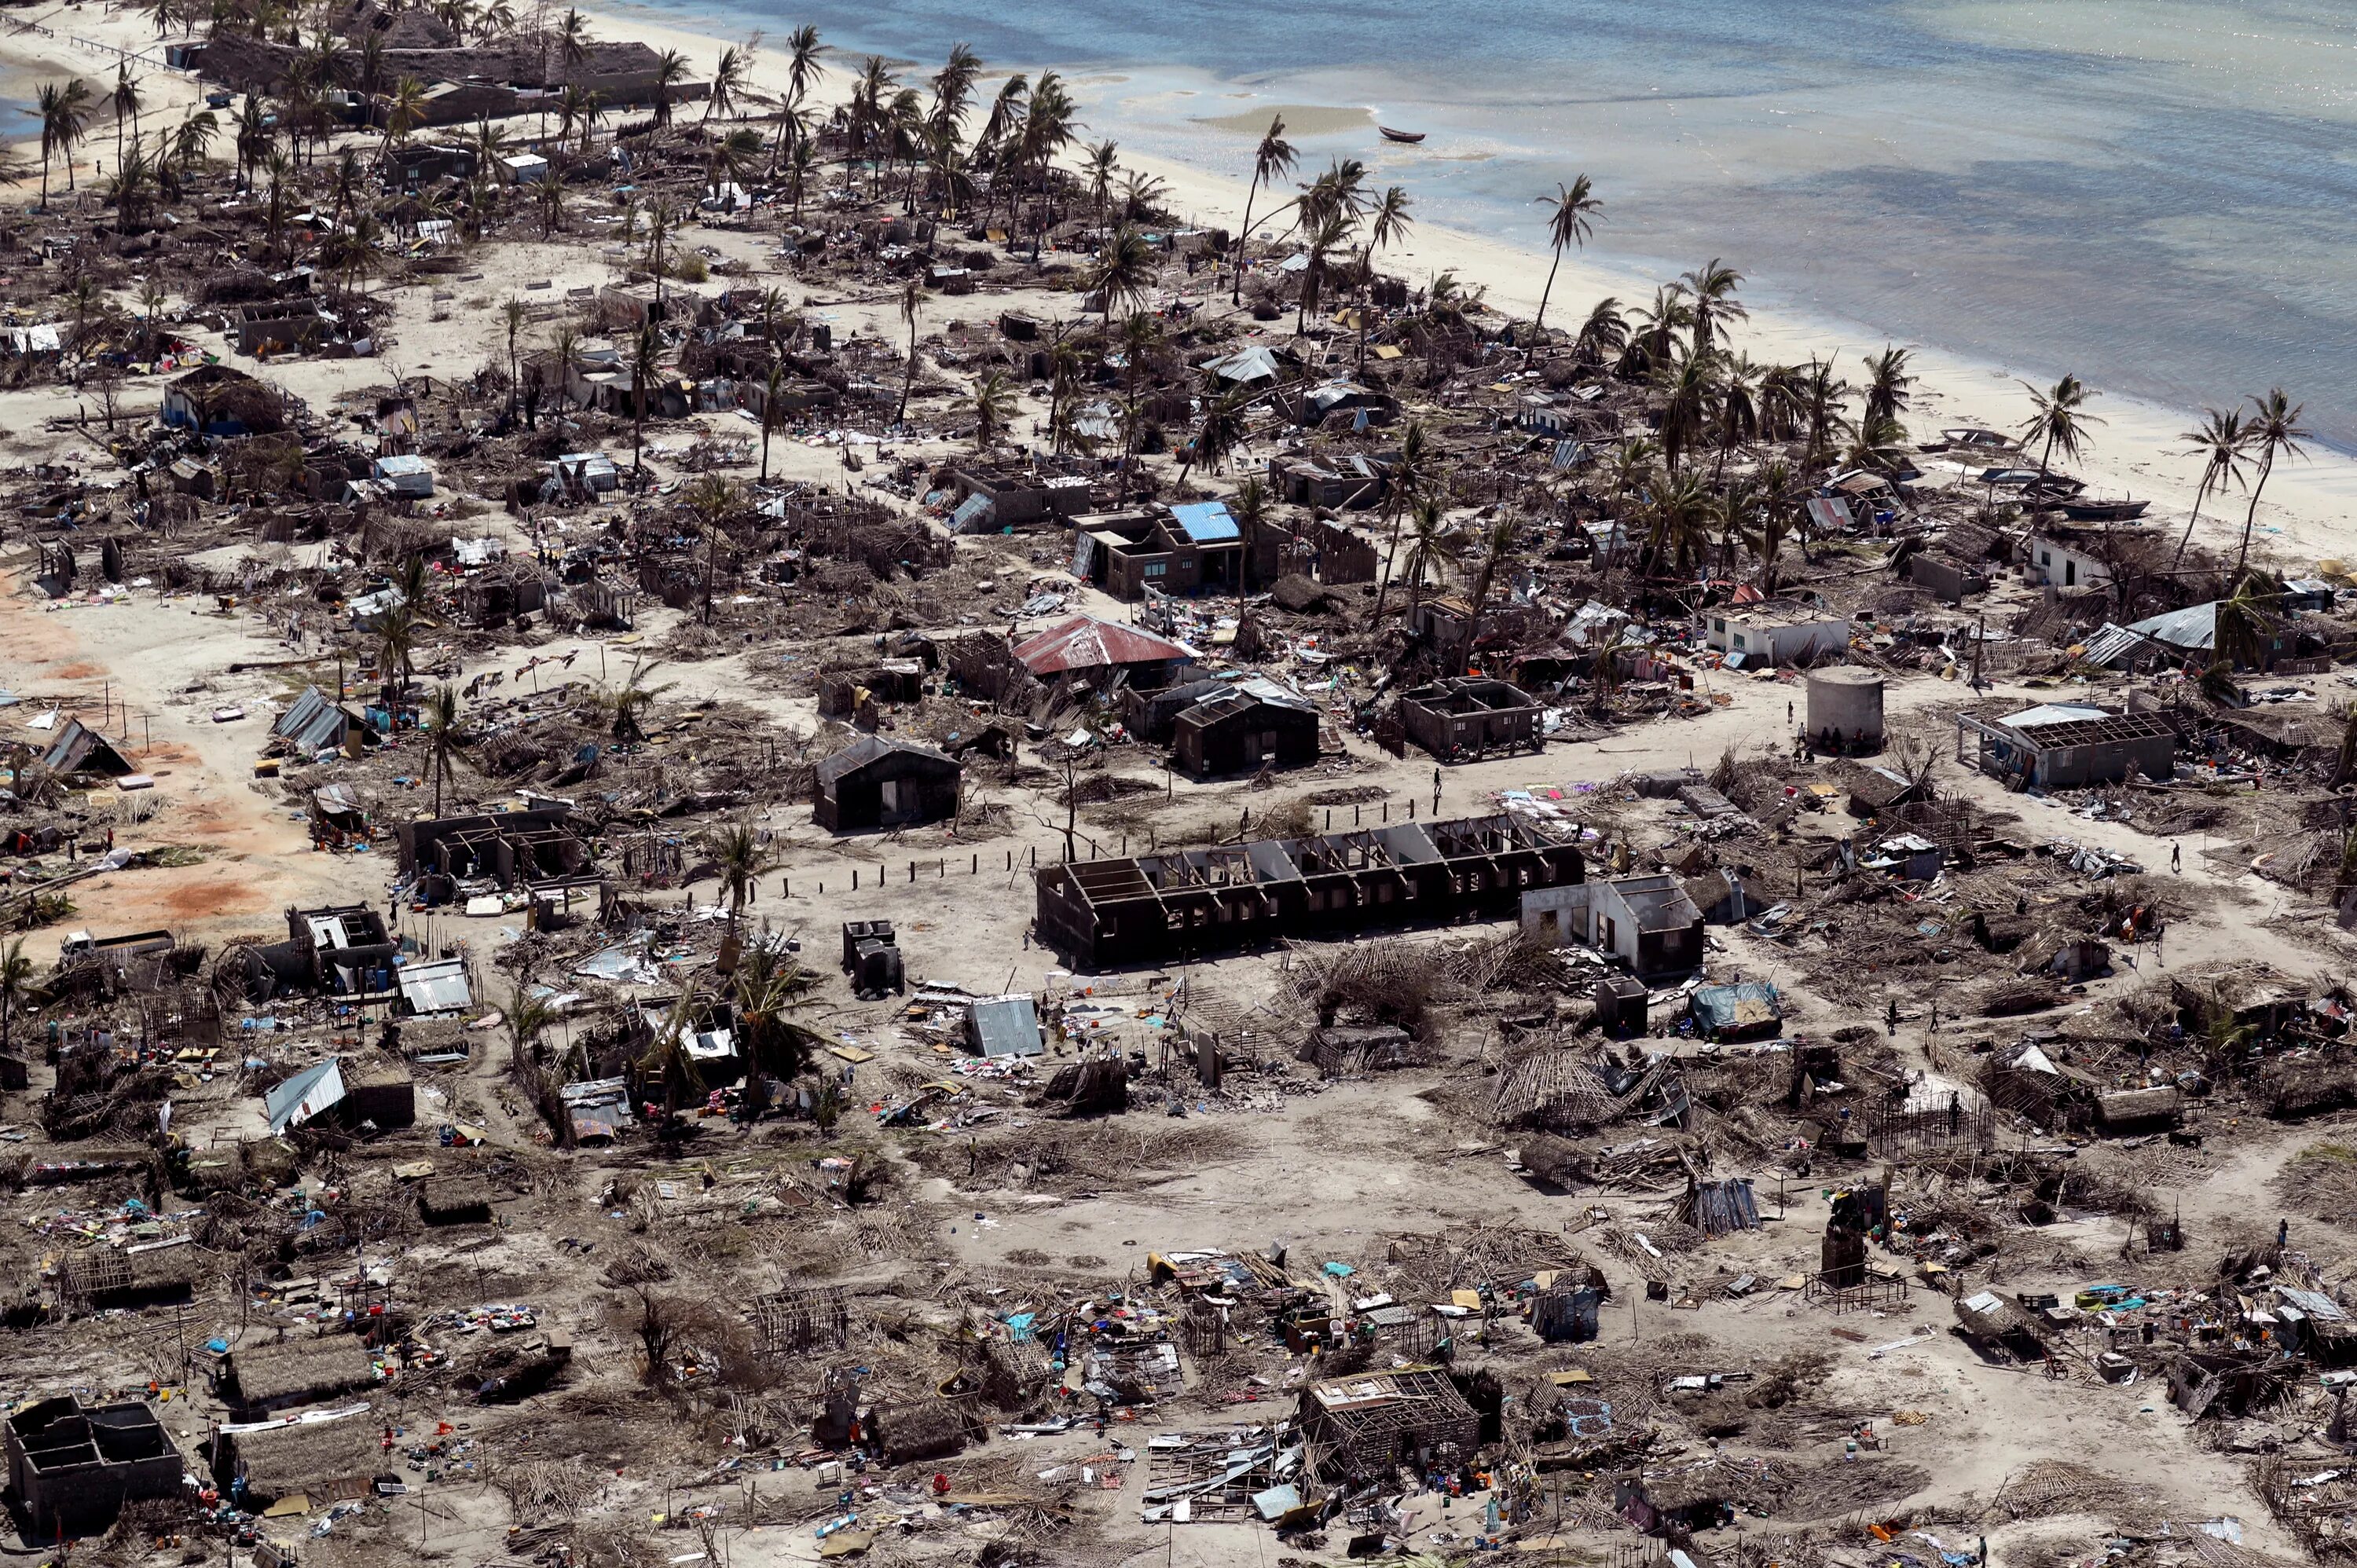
<point>878,783</point>
<point>453,1199</point>
<point>1244,728</point>
<point>407,473</point>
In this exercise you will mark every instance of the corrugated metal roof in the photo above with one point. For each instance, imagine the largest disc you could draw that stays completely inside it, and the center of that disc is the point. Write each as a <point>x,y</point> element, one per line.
<point>2053,714</point>
<point>1207,523</point>
<point>867,748</point>
<point>304,1095</point>
<point>2195,626</point>
<point>437,987</point>
<point>1007,1026</point>
<point>313,723</point>
<point>1085,642</point>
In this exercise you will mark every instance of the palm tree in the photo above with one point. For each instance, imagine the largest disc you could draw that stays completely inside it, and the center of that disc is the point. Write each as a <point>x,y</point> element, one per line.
<point>1886,383</point>
<point>1388,225</point>
<point>1123,273</point>
<point>573,40</point>
<point>1603,335</point>
<point>1653,344</point>
<point>1221,431</point>
<point>2221,443</point>
<point>528,1019</point>
<point>193,138</point>
<point>2060,420</point>
<point>1272,160</point>
<point>953,90</point>
<point>992,407</point>
<point>1686,387</point>
<point>771,984</point>
<point>63,111</point>
<point>1500,548</point>
<point>670,70</point>
<point>646,359</point>
<point>736,847</point>
<point>1823,397</point>
<point>15,980</point>
<point>912,299</point>
<point>632,698</point>
<point>1328,234</point>
<point>441,718</point>
<point>728,78</point>
<point>2274,428</point>
<point>1050,121</point>
<point>670,1057</point>
<point>773,389</point>
<point>1431,545</point>
<point>1098,169</point>
<point>1410,472</point>
<point>1571,211</point>
<point>404,111</point>
<point>1250,506</point>
<point>127,104</point>
<point>711,498</point>
<point>1712,288</point>
<point>801,68</point>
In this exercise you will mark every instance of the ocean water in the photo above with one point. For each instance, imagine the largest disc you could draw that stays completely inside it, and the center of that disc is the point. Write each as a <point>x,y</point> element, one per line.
<point>2157,195</point>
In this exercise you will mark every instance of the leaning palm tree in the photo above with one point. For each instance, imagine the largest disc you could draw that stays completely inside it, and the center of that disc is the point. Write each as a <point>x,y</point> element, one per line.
<point>2061,421</point>
<point>63,112</point>
<point>1122,274</point>
<point>1272,160</point>
<point>1570,221</point>
<point>2273,430</point>
<point>992,408</point>
<point>912,301</point>
<point>1603,335</point>
<point>1499,548</point>
<point>1410,472</point>
<point>2221,443</point>
<point>728,78</point>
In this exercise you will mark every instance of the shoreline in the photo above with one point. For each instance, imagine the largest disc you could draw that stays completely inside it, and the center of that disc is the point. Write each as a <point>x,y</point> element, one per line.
<point>2308,512</point>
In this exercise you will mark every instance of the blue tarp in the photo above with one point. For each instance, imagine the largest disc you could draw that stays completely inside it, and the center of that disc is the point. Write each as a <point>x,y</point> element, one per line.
<point>1207,523</point>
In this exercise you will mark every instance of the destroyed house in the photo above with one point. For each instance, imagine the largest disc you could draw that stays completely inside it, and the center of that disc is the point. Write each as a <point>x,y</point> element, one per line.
<point>1775,634</point>
<point>2071,745</point>
<point>1468,716</point>
<point>342,948</point>
<point>81,749</point>
<point>1366,1425</point>
<point>1085,650</point>
<point>1244,727</point>
<point>1013,496</point>
<point>333,1453</point>
<point>1646,922</point>
<point>1150,909</point>
<point>274,325</point>
<point>878,783</point>
<point>1337,482</point>
<point>73,1466</point>
<point>1181,551</point>
<point>313,724</point>
<point>297,1373</point>
<point>507,847</point>
<point>215,400</point>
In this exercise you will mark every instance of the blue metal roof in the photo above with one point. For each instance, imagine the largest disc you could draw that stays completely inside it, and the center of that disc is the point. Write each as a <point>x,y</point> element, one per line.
<point>1207,523</point>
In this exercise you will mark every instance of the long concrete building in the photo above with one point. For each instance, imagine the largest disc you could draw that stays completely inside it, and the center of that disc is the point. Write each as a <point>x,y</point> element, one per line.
<point>1101,913</point>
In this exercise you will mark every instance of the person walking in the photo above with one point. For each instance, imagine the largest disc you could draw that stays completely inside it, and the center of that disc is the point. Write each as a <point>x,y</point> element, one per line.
<point>2175,859</point>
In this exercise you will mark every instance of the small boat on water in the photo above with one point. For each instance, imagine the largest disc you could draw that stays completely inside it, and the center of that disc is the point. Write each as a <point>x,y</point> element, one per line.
<point>1411,137</point>
<point>2082,510</point>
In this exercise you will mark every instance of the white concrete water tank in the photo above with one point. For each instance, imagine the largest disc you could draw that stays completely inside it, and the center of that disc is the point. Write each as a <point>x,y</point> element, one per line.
<point>1849,699</point>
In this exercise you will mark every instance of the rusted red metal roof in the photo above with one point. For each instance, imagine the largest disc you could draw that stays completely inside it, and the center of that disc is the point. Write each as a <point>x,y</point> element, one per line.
<point>1085,642</point>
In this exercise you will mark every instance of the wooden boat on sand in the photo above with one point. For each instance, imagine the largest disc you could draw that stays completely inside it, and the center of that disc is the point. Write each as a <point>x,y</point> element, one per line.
<point>1411,137</point>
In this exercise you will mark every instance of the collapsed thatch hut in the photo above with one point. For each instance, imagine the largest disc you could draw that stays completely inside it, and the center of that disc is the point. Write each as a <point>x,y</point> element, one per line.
<point>923,1429</point>
<point>298,1371</point>
<point>317,1458</point>
<point>453,1199</point>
